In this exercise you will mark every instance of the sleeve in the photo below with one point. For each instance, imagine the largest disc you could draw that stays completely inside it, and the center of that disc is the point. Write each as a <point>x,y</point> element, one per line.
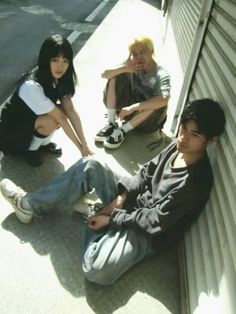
<point>33,95</point>
<point>135,184</point>
<point>158,219</point>
<point>163,83</point>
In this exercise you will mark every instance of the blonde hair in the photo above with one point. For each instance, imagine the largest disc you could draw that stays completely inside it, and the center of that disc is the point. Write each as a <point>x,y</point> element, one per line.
<point>144,40</point>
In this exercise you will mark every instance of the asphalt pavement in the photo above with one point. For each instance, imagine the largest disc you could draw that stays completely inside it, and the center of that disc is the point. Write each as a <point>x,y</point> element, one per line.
<point>40,264</point>
<point>25,25</point>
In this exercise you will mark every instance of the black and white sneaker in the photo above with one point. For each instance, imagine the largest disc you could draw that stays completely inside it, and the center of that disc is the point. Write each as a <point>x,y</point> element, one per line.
<point>115,139</point>
<point>105,132</point>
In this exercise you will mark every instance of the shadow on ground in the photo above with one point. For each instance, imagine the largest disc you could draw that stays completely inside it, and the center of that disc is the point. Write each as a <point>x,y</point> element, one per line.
<point>59,235</point>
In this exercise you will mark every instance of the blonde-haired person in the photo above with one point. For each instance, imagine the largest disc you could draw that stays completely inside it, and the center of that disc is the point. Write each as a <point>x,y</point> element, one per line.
<point>136,93</point>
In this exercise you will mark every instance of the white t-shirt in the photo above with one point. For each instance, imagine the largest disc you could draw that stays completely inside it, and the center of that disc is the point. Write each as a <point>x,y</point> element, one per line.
<point>32,94</point>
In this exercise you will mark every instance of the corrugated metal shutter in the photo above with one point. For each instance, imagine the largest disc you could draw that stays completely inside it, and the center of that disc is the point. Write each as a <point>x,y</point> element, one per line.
<point>188,22</point>
<point>184,19</point>
<point>211,243</point>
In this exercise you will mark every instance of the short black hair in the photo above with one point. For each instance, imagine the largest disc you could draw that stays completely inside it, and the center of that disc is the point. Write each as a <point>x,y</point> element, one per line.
<point>207,114</point>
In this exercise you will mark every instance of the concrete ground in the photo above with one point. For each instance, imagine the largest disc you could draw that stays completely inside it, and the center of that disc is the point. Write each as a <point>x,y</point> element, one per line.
<point>40,265</point>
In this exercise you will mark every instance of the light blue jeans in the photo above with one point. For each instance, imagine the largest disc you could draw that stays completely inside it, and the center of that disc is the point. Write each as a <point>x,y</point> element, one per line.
<point>107,254</point>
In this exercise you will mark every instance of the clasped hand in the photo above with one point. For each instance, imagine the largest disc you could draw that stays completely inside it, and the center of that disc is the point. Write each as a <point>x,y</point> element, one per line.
<point>125,111</point>
<point>102,219</point>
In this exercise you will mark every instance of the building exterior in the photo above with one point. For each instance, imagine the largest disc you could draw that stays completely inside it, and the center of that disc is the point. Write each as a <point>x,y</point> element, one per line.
<point>202,38</point>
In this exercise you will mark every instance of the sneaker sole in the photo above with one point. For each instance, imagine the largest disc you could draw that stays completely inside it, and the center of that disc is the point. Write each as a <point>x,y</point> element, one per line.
<point>99,139</point>
<point>112,146</point>
<point>22,217</point>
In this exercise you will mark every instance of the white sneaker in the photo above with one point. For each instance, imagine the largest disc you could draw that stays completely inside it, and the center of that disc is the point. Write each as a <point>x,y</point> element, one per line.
<point>81,207</point>
<point>88,209</point>
<point>13,194</point>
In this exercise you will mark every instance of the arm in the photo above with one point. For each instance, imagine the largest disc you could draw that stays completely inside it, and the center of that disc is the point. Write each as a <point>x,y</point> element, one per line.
<point>103,218</point>
<point>153,103</point>
<point>75,121</point>
<point>136,184</point>
<point>61,119</point>
<point>178,206</point>
<point>160,95</point>
<point>130,66</point>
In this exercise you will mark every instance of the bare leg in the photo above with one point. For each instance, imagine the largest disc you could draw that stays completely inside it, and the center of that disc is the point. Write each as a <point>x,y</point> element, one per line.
<point>111,94</point>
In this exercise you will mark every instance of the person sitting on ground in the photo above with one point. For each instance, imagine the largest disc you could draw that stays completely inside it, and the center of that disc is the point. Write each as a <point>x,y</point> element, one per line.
<point>147,211</point>
<point>138,91</point>
<point>33,113</point>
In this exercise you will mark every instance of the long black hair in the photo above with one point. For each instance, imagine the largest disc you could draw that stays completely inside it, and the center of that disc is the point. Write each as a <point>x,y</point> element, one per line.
<point>54,46</point>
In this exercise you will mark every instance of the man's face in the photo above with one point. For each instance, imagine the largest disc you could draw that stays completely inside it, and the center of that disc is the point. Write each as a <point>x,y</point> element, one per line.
<point>142,55</point>
<point>190,141</point>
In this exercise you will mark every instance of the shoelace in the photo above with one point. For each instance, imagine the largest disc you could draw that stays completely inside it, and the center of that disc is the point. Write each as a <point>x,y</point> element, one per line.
<point>15,198</point>
<point>17,201</point>
<point>18,193</point>
<point>94,210</point>
<point>116,133</point>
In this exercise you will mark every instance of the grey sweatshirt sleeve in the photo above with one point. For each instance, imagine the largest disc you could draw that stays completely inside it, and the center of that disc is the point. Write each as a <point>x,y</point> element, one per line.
<point>161,217</point>
<point>134,185</point>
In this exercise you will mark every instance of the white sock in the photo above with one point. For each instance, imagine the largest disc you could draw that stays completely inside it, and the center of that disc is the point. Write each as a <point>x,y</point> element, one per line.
<point>111,115</point>
<point>36,142</point>
<point>127,127</point>
<point>47,139</point>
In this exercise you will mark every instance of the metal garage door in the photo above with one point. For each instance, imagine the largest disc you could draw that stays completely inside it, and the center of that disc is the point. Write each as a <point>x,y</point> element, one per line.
<point>211,243</point>
<point>184,19</point>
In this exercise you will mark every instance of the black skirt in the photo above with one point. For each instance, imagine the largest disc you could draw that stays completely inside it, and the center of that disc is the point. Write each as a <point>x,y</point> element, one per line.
<point>16,128</point>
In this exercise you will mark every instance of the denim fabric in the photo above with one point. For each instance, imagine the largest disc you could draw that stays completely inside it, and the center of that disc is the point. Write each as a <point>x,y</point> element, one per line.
<point>73,184</point>
<point>109,253</point>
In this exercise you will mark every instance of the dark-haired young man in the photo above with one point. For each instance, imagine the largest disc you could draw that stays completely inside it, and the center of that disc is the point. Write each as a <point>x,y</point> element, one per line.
<point>151,209</point>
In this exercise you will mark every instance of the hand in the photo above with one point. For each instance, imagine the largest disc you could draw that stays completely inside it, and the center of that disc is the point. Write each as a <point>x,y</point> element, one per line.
<point>127,111</point>
<point>98,222</point>
<point>85,151</point>
<point>118,202</point>
<point>133,66</point>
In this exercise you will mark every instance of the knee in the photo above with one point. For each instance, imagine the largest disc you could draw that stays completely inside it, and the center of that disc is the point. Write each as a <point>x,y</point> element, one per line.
<point>48,126</point>
<point>53,126</point>
<point>97,276</point>
<point>88,164</point>
<point>93,163</point>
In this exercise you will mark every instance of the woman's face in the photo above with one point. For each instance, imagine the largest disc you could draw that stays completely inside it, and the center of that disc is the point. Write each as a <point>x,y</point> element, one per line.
<point>59,66</point>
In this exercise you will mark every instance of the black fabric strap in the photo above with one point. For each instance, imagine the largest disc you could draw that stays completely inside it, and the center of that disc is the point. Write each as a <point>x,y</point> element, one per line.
<point>36,133</point>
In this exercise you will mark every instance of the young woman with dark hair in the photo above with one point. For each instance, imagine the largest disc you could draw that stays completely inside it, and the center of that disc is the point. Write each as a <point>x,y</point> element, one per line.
<point>42,103</point>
